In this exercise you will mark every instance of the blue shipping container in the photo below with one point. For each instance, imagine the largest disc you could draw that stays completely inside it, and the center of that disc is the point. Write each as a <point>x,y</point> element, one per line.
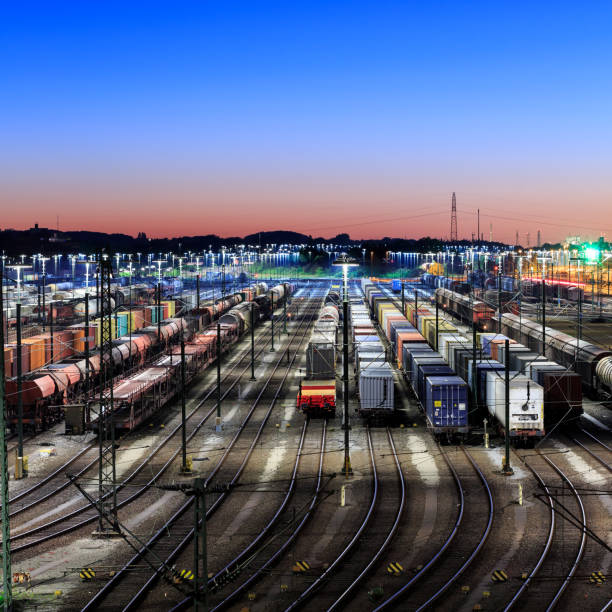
<point>408,350</point>
<point>415,359</point>
<point>396,285</point>
<point>446,403</point>
<point>426,370</point>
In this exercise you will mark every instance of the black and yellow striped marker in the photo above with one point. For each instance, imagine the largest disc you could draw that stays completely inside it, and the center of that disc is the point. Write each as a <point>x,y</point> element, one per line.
<point>301,566</point>
<point>597,578</point>
<point>87,574</point>
<point>499,576</point>
<point>395,569</point>
<point>186,574</point>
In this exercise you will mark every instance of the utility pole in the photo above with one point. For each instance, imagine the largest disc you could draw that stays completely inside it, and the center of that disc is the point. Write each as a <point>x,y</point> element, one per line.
<point>158,308</point>
<point>579,316</point>
<point>403,300</point>
<point>87,344</point>
<point>347,470</point>
<point>200,582</point>
<point>499,298</point>
<point>198,291</point>
<point>19,395</point>
<point>544,308</point>
<point>253,341</point>
<point>184,467</point>
<point>416,309</point>
<point>107,472</point>
<point>285,316</point>
<point>218,424</point>
<point>7,575</point>
<point>44,293</point>
<point>437,323</point>
<point>51,332</point>
<point>507,470</point>
<point>272,323</point>
<point>474,385</point>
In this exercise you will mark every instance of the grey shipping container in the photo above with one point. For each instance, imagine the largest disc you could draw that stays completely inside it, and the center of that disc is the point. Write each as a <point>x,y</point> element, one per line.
<point>376,389</point>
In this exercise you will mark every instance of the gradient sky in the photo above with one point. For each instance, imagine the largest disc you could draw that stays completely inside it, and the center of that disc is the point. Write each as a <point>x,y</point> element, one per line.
<point>233,117</point>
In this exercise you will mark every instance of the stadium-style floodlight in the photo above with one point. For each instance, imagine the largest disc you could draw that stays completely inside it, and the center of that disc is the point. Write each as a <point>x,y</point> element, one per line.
<point>345,262</point>
<point>19,268</point>
<point>159,263</point>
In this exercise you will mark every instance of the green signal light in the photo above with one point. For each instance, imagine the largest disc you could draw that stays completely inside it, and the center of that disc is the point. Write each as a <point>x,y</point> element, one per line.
<point>591,254</point>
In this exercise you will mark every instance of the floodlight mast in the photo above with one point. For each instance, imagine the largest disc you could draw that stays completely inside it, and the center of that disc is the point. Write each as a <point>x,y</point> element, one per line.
<point>345,262</point>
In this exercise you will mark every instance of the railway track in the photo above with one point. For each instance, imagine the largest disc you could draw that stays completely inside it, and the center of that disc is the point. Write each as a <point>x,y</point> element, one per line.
<point>590,451</point>
<point>126,589</point>
<point>465,540</point>
<point>387,517</point>
<point>552,580</point>
<point>257,559</point>
<point>45,532</point>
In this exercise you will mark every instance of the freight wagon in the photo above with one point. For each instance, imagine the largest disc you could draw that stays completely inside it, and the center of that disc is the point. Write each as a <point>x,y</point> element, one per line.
<point>317,393</point>
<point>63,380</point>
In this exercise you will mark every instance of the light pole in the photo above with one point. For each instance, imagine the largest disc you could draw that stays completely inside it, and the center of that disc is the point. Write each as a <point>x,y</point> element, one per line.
<point>345,262</point>
<point>19,472</point>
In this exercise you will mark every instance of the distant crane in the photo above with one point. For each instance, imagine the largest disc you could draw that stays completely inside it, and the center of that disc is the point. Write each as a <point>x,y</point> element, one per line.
<point>453,232</point>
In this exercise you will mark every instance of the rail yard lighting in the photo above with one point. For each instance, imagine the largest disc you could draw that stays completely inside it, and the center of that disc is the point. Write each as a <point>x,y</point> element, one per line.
<point>159,263</point>
<point>345,263</point>
<point>19,268</point>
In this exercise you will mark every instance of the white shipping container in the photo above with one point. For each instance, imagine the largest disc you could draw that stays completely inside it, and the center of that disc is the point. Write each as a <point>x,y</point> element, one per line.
<point>526,402</point>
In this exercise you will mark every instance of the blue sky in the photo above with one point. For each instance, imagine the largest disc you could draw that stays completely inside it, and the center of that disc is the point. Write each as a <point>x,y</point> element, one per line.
<point>278,111</point>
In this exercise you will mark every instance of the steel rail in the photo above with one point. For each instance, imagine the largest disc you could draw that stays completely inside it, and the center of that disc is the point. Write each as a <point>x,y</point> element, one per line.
<point>144,464</point>
<point>111,584</point>
<point>263,569</point>
<point>551,531</point>
<point>478,547</point>
<point>581,548</point>
<point>305,595</point>
<point>401,592</point>
<point>343,598</point>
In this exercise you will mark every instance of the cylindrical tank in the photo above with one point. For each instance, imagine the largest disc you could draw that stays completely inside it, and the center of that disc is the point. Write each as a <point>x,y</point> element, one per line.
<point>604,371</point>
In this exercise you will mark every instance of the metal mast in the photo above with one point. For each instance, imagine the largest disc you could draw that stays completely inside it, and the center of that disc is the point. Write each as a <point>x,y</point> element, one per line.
<point>453,233</point>
<point>4,477</point>
<point>106,425</point>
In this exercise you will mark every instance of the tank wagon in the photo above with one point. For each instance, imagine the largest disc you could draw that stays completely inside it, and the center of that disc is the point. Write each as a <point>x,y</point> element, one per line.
<point>47,386</point>
<point>591,362</point>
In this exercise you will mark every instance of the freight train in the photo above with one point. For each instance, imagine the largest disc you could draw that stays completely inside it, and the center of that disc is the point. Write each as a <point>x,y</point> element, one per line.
<point>441,395</point>
<point>529,286</point>
<point>375,382</point>
<point>317,394</point>
<point>46,390</point>
<point>542,392</point>
<point>591,362</point>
